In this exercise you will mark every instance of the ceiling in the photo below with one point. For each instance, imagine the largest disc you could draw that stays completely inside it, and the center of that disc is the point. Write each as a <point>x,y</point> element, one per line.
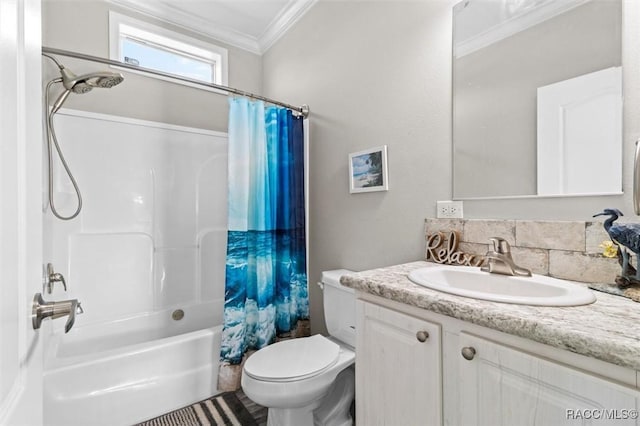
<point>252,25</point>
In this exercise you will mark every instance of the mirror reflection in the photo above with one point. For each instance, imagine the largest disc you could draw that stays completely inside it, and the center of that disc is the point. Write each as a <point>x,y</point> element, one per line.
<point>537,98</point>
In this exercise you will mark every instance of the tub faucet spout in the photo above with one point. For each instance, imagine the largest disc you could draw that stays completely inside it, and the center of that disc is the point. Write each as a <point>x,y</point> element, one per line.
<point>42,310</point>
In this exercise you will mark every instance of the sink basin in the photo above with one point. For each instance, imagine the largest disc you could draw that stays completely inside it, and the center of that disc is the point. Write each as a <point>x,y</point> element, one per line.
<point>538,290</point>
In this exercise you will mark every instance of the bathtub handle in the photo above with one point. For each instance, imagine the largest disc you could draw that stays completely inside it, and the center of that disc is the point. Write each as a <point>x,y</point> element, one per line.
<point>42,310</point>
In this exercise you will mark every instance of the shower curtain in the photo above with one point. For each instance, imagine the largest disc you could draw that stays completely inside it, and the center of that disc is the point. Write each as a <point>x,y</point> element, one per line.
<point>266,281</point>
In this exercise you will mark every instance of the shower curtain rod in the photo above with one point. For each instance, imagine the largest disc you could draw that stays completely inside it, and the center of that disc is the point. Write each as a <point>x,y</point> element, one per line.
<point>302,110</point>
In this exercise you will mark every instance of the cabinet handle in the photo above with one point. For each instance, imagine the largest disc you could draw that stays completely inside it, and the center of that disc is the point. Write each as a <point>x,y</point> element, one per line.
<point>422,335</point>
<point>468,353</point>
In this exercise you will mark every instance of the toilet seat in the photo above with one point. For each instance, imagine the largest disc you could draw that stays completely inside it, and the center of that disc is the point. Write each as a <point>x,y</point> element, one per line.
<point>294,359</point>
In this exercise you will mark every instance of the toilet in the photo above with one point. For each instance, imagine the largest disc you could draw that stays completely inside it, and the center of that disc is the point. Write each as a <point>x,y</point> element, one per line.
<point>309,380</point>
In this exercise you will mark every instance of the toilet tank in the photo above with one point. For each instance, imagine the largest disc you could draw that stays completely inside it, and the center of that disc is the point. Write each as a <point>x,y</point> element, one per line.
<point>339,307</point>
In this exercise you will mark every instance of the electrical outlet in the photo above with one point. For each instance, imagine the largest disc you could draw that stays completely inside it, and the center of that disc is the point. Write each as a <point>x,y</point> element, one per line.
<point>449,210</point>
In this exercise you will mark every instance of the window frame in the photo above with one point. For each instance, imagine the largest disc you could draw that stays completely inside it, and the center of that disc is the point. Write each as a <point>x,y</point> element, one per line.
<point>123,26</point>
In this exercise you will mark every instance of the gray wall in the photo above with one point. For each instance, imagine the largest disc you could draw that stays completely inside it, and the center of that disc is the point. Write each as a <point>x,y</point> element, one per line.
<point>373,73</point>
<point>380,73</point>
<point>83,26</point>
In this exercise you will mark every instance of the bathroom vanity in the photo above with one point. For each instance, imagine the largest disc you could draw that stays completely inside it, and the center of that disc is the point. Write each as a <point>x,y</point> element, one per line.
<point>429,358</point>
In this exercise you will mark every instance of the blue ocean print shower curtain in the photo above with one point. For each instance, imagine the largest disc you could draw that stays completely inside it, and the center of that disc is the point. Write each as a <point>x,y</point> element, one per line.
<point>266,281</point>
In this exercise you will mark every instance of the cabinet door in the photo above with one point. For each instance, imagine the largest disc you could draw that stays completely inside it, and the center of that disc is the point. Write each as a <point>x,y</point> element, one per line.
<point>504,386</point>
<point>398,369</point>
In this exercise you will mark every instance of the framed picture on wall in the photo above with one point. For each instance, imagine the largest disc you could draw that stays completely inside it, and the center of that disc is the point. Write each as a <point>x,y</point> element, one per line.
<point>368,170</point>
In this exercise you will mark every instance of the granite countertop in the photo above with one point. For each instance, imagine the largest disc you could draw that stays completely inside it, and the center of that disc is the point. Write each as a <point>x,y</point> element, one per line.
<point>608,329</point>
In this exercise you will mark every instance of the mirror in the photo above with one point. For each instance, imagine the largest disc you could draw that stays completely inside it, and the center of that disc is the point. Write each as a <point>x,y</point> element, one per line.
<point>537,98</point>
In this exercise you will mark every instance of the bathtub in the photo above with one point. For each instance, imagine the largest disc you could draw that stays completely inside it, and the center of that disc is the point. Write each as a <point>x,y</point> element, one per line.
<point>133,369</point>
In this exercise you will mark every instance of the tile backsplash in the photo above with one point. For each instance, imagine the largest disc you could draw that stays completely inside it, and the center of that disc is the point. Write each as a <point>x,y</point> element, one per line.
<point>561,249</point>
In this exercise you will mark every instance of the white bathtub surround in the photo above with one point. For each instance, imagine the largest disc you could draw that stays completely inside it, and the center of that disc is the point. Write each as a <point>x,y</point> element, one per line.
<point>152,233</point>
<point>561,249</point>
<point>151,239</point>
<point>600,330</point>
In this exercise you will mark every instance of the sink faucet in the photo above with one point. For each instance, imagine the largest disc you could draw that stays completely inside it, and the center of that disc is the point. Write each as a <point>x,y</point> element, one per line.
<point>499,260</point>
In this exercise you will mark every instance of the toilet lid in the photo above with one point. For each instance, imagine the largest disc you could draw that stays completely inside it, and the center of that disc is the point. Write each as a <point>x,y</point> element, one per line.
<point>293,359</point>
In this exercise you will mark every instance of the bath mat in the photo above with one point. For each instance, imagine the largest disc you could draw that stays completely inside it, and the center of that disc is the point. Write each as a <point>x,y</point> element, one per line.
<point>221,410</point>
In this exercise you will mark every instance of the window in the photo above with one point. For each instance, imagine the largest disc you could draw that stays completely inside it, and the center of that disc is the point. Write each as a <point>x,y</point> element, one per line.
<point>146,45</point>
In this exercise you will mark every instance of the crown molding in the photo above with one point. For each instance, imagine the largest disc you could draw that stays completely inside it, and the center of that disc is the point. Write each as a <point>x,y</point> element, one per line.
<point>164,12</point>
<point>286,19</point>
<point>514,25</point>
<point>190,22</point>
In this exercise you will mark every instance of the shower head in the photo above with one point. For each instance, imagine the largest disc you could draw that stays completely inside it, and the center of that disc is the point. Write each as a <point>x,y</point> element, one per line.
<point>84,83</point>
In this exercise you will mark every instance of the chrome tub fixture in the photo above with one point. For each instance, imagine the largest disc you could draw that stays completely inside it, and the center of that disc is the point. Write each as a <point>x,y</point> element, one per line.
<point>51,277</point>
<point>41,310</point>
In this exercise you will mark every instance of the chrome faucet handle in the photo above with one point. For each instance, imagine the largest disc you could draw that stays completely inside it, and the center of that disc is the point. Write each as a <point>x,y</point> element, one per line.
<point>53,277</point>
<point>41,310</point>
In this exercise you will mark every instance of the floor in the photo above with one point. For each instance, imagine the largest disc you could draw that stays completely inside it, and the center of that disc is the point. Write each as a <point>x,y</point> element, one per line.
<point>186,416</point>
<point>258,412</point>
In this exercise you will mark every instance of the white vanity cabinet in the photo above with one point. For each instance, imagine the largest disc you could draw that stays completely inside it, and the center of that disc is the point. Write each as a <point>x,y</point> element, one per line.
<point>500,385</point>
<point>398,368</point>
<point>464,374</point>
